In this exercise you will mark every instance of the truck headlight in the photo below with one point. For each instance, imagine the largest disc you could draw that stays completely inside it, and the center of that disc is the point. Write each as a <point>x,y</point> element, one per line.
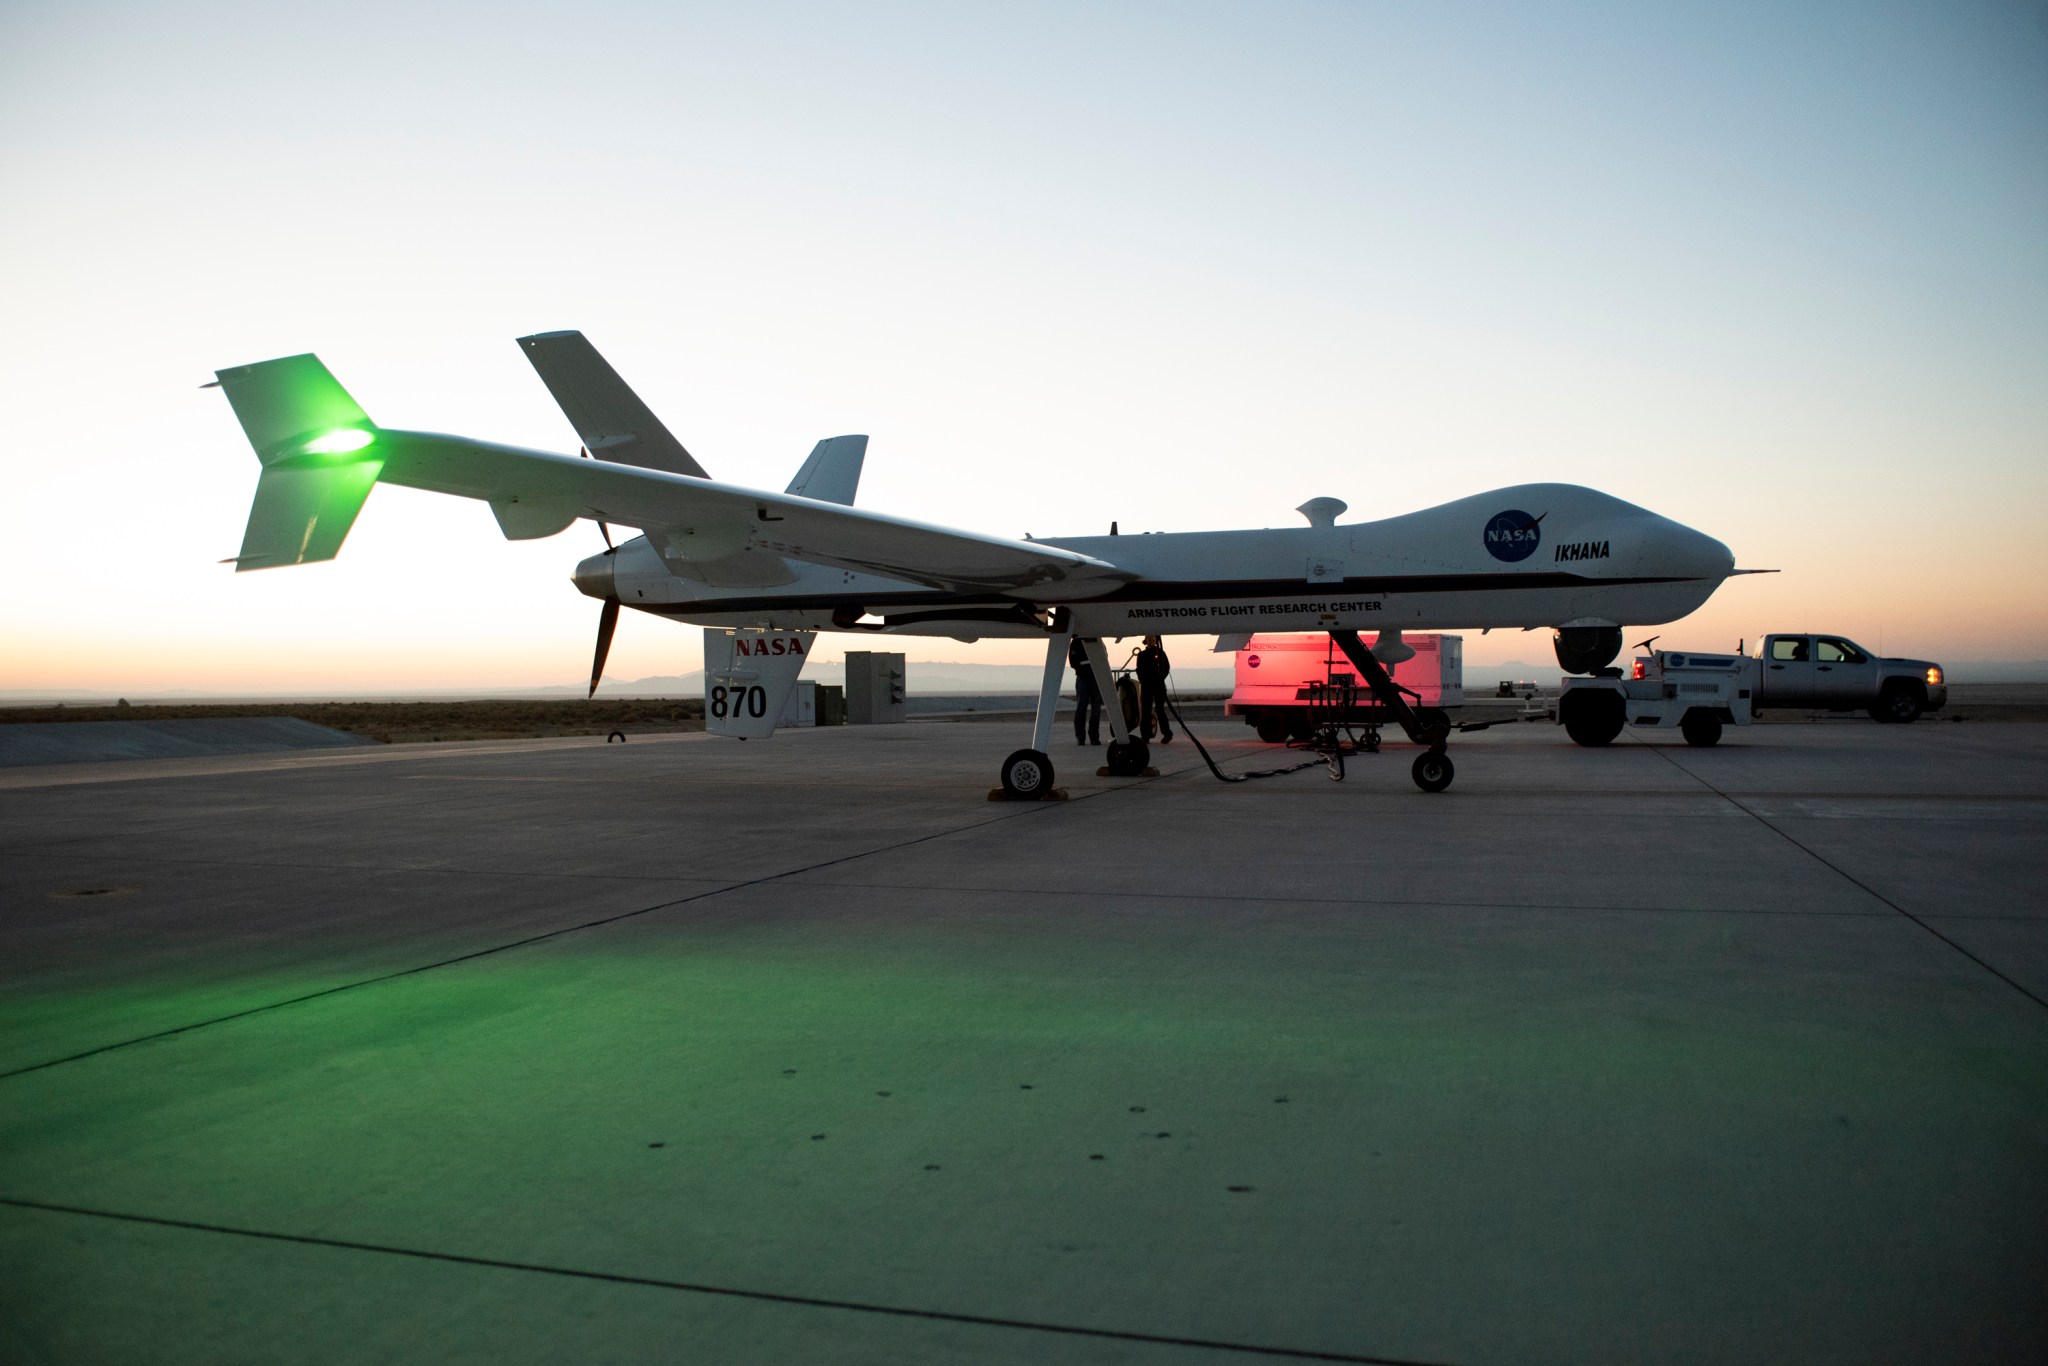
<point>1934,675</point>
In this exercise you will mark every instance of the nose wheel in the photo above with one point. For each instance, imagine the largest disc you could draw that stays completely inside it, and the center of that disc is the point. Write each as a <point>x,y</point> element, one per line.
<point>1433,770</point>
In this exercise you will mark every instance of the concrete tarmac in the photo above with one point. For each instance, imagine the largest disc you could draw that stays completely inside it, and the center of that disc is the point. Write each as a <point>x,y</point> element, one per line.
<point>74,742</point>
<point>804,1050</point>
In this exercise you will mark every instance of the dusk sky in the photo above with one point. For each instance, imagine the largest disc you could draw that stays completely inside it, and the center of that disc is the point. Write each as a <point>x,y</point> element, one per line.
<point>1778,271</point>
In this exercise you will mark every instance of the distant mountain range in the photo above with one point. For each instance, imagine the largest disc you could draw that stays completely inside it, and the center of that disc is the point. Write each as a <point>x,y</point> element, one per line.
<point>947,676</point>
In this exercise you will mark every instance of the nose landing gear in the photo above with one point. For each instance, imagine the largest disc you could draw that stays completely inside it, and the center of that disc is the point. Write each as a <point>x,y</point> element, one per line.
<point>1428,726</point>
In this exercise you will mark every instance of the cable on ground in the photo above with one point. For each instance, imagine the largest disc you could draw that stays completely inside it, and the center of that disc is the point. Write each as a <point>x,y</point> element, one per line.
<point>1335,759</point>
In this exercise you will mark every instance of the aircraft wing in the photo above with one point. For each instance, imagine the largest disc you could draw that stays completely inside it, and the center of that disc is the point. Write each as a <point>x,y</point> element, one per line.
<point>303,425</point>
<point>609,417</point>
<point>706,520</point>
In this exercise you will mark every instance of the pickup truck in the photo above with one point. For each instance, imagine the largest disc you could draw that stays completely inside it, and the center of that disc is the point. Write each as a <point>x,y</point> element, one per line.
<point>1698,692</point>
<point>1834,673</point>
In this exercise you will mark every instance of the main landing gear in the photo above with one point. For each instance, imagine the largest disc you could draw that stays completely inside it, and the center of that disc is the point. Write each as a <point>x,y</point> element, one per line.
<point>1027,775</point>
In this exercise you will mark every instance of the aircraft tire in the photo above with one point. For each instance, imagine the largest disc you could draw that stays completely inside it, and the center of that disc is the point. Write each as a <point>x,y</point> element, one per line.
<point>1433,770</point>
<point>1027,775</point>
<point>1127,701</point>
<point>1126,760</point>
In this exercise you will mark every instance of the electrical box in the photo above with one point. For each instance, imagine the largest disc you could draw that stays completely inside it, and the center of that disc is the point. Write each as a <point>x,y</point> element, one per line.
<point>803,706</point>
<point>874,688</point>
<point>831,704</point>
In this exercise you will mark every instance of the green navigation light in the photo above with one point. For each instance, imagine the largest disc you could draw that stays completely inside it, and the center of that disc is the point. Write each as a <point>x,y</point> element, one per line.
<point>339,442</point>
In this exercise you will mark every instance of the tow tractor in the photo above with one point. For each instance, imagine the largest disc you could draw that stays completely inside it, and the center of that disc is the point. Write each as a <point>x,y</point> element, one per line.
<point>1695,693</point>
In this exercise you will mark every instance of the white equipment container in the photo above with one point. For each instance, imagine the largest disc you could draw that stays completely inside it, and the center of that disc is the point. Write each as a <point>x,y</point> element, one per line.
<point>1278,677</point>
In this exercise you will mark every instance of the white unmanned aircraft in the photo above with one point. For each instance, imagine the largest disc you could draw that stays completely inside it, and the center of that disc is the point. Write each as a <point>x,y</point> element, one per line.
<point>763,572</point>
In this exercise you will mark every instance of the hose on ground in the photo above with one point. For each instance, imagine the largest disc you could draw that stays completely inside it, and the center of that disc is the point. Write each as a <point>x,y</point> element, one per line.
<point>1336,761</point>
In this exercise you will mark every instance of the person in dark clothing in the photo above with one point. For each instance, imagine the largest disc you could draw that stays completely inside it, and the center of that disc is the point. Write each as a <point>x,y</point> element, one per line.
<point>1087,697</point>
<point>1153,667</point>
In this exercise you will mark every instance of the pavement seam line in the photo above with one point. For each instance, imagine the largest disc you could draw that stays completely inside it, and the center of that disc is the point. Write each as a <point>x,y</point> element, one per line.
<point>731,1292</point>
<point>1842,873</point>
<point>1419,904</point>
<point>521,875</point>
<point>1025,810</point>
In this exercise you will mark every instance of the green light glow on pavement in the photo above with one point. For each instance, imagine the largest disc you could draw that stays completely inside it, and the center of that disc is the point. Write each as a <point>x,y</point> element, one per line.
<point>339,442</point>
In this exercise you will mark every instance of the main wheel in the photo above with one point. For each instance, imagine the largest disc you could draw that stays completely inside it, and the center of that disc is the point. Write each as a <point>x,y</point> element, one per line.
<point>1433,770</point>
<point>1273,727</point>
<point>1701,728</point>
<point>1126,759</point>
<point>1899,703</point>
<point>1593,718</point>
<point>1127,701</point>
<point>1027,774</point>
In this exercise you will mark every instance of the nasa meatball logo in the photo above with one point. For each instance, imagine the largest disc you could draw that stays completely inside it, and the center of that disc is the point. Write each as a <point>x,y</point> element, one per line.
<point>1252,661</point>
<point>1513,535</point>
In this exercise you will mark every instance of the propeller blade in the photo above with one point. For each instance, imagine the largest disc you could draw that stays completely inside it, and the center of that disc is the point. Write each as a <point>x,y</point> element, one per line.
<point>607,622</point>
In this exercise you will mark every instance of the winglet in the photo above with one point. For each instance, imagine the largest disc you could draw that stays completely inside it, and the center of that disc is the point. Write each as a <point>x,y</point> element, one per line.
<point>611,419</point>
<point>832,474</point>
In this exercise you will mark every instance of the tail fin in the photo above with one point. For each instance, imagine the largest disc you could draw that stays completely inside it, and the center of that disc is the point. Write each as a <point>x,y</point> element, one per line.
<point>608,416</point>
<point>319,454</point>
<point>832,474</point>
<point>748,678</point>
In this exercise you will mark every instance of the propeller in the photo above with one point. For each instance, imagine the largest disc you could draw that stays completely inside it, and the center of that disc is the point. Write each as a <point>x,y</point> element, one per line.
<point>608,615</point>
<point>607,622</point>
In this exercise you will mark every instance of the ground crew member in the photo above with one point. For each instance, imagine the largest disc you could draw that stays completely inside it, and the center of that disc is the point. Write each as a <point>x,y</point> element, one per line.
<point>1087,697</point>
<point>1153,667</point>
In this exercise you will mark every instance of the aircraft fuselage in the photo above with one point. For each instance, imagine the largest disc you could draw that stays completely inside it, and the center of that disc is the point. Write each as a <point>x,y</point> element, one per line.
<point>1532,555</point>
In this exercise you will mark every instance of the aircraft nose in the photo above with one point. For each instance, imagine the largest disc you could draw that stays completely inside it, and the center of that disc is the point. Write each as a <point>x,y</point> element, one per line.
<point>1722,557</point>
<point>1697,555</point>
<point>593,577</point>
